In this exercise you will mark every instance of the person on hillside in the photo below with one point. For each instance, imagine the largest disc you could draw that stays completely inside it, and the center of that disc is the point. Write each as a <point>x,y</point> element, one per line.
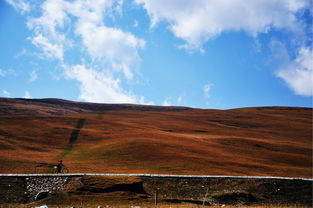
<point>60,165</point>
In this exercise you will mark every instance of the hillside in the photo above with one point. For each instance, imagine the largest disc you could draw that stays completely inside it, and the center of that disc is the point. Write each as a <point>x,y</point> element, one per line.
<point>102,138</point>
<point>62,107</point>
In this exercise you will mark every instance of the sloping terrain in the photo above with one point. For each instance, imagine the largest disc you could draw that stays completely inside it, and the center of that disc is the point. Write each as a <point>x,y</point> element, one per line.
<point>37,107</point>
<point>100,138</point>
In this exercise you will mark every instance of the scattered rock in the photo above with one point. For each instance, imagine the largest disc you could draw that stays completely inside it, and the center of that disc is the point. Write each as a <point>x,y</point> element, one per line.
<point>43,206</point>
<point>37,185</point>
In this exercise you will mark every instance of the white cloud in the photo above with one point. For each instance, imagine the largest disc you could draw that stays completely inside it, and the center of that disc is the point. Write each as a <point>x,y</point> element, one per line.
<point>106,54</point>
<point>206,90</point>
<point>198,21</point>
<point>5,93</point>
<point>170,101</point>
<point>93,11</point>
<point>27,95</point>
<point>97,87</point>
<point>21,53</point>
<point>180,99</point>
<point>50,49</point>
<point>112,46</point>
<point>108,45</point>
<point>33,76</point>
<point>298,73</point>
<point>4,72</point>
<point>166,103</point>
<point>142,101</point>
<point>48,29</point>
<point>19,5</point>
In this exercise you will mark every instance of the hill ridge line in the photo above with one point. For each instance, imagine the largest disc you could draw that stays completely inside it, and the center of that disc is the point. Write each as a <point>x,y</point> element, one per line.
<point>154,175</point>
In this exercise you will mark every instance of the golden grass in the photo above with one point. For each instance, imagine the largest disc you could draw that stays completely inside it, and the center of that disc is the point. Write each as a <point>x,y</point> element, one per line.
<point>252,141</point>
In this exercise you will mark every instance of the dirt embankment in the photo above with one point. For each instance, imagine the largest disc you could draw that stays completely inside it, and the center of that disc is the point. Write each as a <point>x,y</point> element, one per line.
<point>143,190</point>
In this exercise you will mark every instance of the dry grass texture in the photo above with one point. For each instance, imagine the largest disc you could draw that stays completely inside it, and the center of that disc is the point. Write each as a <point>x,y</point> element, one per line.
<point>275,141</point>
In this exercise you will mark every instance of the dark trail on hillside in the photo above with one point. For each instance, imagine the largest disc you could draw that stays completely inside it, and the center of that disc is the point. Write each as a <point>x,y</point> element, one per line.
<point>74,136</point>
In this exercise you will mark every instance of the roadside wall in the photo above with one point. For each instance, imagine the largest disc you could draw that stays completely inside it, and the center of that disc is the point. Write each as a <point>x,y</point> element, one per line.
<point>217,189</point>
<point>26,189</point>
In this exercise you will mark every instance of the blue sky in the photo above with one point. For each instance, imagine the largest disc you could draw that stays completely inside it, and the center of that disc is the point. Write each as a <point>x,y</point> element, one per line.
<point>207,53</point>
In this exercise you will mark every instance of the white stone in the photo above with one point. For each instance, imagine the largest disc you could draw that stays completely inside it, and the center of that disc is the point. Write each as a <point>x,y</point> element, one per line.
<point>43,206</point>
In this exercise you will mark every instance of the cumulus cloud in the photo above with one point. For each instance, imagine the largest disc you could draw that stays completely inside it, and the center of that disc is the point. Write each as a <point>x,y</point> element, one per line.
<point>171,101</point>
<point>104,44</point>
<point>180,99</point>
<point>166,103</point>
<point>112,46</point>
<point>33,76</point>
<point>98,87</point>
<point>107,53</point>
<point>49,48</point>
<point>19,5</point>
<point>142,100</point>
<point>27,95</point>
<point>198,21</point>
<point>298,73</point>
<point>48,34</point>
<point>206,90</point>
<point>5,93</point>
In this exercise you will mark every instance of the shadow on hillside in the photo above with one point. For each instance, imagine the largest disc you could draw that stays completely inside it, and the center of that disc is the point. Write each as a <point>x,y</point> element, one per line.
<point>74,136</point>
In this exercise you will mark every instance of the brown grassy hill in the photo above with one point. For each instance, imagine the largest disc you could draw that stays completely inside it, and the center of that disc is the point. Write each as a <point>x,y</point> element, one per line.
<point>37,107</point>
<point>107,138</point>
